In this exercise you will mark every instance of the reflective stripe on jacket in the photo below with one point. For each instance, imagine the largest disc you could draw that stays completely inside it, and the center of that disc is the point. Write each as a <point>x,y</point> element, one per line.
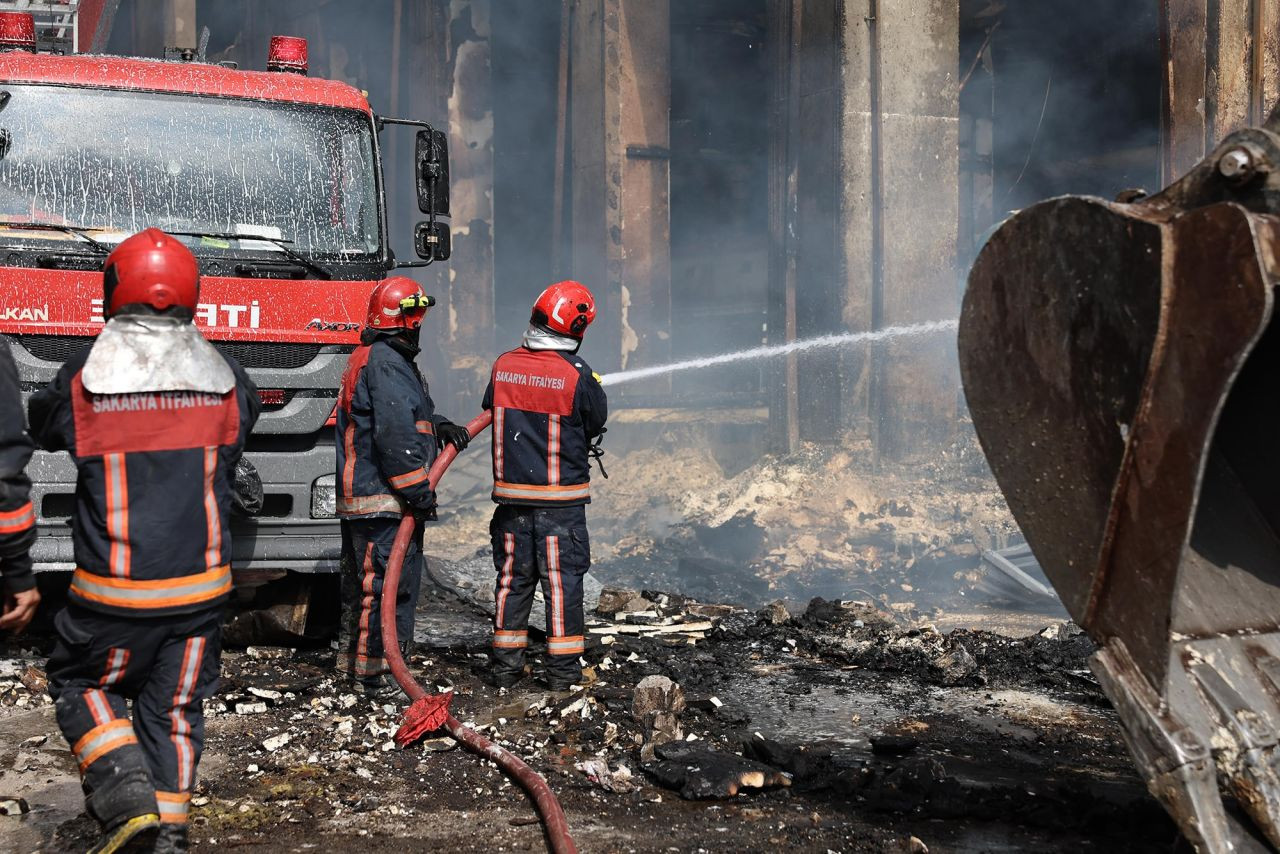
<point>547,407</point>
<point>385,434</point>
<point>153,499</point>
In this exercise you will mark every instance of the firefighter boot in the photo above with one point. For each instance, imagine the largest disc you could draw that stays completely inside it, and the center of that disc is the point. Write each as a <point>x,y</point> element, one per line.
<point>123,801</point>
<point>562,682</point>
<point>172,839</point>
<point>506,677</point>
<point>136,834</point>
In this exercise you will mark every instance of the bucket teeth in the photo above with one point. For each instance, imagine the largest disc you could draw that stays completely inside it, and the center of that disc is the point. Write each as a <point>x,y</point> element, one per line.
<point>1210,728</point>
<point>1246,754</point>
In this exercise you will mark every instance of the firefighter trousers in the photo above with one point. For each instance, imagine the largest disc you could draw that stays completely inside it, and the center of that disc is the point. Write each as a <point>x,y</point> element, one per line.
<point>366,549</point>
<point>533,545</point>
<point>167,667</point>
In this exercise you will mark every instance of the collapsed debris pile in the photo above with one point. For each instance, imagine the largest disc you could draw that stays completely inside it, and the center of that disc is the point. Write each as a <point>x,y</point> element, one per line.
<point>814,523</point>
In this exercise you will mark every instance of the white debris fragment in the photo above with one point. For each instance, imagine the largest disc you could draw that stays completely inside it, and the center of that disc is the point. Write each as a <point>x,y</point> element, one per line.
<point>14,806</point>
<point>250,708</point>
<point>438,745</point>
<point>276,742</point>
<point>265,693</point>
<point>252,769</point>
<point>269,652</point>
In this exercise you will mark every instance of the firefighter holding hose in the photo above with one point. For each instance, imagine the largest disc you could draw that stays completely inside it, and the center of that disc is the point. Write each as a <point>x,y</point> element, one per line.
<point>549,411</point>
<point>155,420</point>
<point>387,436</point>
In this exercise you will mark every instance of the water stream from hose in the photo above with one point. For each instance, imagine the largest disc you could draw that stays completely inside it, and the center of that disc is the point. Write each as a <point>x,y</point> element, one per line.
<point>823,341</point>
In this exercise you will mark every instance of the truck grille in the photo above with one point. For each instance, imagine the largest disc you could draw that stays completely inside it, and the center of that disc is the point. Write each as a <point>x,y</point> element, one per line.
<point>250,354</point>
<point>53,348</point>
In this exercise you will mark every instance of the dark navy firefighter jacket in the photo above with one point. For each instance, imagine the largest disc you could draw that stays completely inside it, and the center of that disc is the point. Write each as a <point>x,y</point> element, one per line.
<point>153,496</point>
<point>17,515</point>
<point>547,406</point>
<point>386,425</point>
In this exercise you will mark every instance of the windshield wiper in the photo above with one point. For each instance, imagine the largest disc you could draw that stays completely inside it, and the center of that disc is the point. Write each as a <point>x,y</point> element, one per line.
<point>75,230</point>
<point>279,242</point>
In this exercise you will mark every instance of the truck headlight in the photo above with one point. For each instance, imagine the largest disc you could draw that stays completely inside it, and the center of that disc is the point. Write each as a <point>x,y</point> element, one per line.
<point>324,497</point>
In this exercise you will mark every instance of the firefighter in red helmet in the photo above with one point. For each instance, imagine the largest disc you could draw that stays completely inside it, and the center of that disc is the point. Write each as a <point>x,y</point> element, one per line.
<point>549,411</point>
<point>387,436</point>
<point>155,420</point>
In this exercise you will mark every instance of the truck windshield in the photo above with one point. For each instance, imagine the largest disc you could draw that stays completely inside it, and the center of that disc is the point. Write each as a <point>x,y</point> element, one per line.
<point>117,162</point>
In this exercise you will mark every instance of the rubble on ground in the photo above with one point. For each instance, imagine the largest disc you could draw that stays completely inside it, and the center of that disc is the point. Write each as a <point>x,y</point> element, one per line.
<point>23,683</point>
<point>836,726</point>
<point>822,521</point>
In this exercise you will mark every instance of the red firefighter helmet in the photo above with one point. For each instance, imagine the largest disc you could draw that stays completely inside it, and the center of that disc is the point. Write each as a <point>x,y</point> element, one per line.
<point>566,308</point>
<point>150,268</point>
<point>398,303</point>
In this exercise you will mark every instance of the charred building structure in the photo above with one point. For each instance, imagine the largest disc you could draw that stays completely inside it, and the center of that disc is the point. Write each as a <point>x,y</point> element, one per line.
<point>732,172</point>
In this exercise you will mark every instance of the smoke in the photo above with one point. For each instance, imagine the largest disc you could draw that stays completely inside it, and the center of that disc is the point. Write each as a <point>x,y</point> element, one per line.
<point>1062,98</point>
<point>1073,92</point>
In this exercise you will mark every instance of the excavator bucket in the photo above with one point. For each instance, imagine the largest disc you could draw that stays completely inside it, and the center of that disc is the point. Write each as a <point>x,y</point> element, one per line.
<point>1122,368</point>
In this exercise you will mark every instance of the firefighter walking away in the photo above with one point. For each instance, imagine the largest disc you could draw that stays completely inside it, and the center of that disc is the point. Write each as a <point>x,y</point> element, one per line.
<point>388,434</point>
<point>549,411</point>
<point>155,420</point>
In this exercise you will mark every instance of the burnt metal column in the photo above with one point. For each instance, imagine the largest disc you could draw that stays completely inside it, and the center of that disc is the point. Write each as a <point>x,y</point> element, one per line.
<point>900,212</point>
<point>179,18</point>
<point>1222,73</point>
<point>470,305</point>
<point>619,94</point>
<point>644,107</point>
<point>805,294</point>
<point>785,28</point>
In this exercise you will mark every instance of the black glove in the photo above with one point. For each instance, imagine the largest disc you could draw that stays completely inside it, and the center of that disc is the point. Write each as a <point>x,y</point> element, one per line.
<point>246,491</point>
<point>424,510</point>
<point>448,433</point>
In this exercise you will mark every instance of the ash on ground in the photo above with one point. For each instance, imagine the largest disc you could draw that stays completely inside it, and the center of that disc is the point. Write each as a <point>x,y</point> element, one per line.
<point>843,727</point>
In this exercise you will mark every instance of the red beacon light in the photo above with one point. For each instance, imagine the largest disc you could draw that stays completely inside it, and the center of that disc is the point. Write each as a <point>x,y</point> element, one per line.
<point>287,53</point>
<point>17,31</point>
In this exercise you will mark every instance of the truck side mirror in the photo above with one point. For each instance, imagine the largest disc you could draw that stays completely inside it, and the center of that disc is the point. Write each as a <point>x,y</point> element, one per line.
<point>431,168</point>
<point>433,241</point>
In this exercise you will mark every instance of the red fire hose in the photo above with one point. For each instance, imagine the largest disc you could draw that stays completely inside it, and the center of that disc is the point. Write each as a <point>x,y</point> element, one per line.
<point>429,712</point>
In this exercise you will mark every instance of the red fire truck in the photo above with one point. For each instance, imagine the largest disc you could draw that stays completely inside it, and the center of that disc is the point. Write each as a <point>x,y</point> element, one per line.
<point>273,179</point>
